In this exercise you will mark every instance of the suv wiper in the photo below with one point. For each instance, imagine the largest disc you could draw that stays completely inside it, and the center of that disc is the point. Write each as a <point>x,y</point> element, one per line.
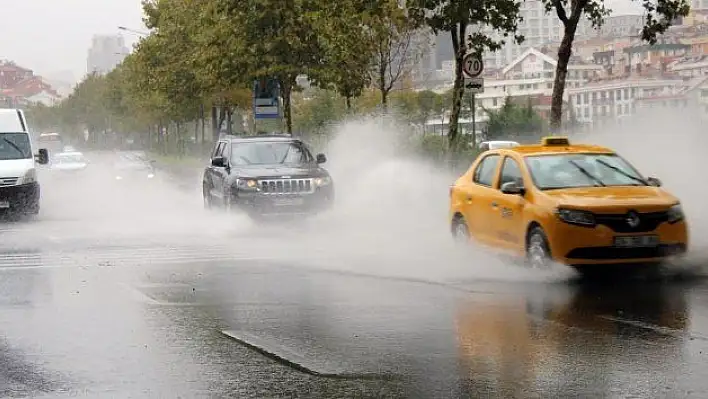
<point>586,173</point>
<point>620,171</point>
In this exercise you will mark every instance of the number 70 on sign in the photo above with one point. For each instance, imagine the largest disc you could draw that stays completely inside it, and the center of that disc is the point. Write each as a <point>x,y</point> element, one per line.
<point>472,65</point>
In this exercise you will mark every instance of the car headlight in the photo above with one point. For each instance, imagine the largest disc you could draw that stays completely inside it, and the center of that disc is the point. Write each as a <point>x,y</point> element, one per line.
<point>676,213</point>
<point>150,175</point>
<point>246,184</point>
<point>323,181</point>
<point>573,216</point>
<point>29,177</point>
<point>119,178</point>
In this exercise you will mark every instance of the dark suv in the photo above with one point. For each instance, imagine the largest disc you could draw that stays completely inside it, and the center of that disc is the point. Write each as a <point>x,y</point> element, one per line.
<point>266,175</point>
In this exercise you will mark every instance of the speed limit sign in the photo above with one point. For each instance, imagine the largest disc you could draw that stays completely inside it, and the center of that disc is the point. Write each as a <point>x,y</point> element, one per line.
<point>472,65</point>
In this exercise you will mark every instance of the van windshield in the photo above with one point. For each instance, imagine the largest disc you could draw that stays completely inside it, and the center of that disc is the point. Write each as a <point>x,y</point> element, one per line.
<point>15,146</point>
<point>10,122</point>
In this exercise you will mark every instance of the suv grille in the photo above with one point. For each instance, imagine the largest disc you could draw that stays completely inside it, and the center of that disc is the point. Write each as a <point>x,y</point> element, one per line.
<point>286,186</point>
<point>8,181</point>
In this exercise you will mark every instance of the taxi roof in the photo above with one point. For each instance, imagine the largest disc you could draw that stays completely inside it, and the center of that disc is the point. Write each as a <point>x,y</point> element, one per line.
<point>560,148</point>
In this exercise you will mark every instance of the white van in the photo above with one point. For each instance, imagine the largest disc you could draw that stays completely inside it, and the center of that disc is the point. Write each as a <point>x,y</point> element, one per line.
<point>19,188</point>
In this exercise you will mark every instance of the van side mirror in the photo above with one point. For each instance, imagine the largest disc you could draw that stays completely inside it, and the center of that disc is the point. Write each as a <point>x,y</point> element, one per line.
<point>42,156</point>
<point>321,158</point>
<point>653,181</point>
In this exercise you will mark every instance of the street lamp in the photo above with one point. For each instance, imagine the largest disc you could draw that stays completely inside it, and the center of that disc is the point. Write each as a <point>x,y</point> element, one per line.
<point>137,32</point>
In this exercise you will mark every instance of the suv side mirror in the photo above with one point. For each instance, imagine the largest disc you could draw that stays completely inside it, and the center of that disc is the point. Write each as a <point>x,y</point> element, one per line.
<point>218,162</point>
<point>512,188</point>
<point>321,158</point>
<point>42,156</point>
<point>653,181</point>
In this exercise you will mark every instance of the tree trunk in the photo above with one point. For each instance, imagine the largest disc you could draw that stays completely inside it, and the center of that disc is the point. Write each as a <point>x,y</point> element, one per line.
<point>382,84</point>
<point>286,86</point>
<point>564,52</point>
<point>214,124</point>
<point>229,123</point>
<point>222,117</point>
<point>384,100</point>
<point>348,100</point>
<point>458,90</point>
<point>196,132</point>
<point>203,119</point>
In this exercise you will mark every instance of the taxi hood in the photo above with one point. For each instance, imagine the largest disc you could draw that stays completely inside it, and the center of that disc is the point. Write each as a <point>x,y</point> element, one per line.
<point>611,199</point>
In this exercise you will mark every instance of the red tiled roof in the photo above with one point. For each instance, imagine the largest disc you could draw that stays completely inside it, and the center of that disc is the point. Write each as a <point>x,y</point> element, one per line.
<point>29,87</point>
<point>12,67</point>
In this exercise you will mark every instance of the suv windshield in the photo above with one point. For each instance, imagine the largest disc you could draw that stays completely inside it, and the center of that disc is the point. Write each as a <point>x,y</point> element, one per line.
<point>269,153</point>
<point>15,146</point>
<point>582,170</point>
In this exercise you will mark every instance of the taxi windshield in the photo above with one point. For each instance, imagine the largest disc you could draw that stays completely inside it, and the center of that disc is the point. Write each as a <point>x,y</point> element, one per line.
<point>558,171</point>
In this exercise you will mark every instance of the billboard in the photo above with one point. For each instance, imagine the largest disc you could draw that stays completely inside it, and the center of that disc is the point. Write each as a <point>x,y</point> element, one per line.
<point>266,98</point>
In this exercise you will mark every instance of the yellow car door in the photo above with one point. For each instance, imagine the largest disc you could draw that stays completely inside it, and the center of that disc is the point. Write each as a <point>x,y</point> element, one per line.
<point>477,205</point>
<point>509,219</point>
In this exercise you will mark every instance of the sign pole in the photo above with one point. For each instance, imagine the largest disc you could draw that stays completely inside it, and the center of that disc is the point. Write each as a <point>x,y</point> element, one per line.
<point>474,119</point>
<point>472,68</point>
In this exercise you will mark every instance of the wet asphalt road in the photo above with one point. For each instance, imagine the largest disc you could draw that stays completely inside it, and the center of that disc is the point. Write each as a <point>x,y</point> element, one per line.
<point>110,293</point>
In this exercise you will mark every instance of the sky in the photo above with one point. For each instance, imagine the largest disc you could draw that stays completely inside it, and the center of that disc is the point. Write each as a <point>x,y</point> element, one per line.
<point>53,36</point>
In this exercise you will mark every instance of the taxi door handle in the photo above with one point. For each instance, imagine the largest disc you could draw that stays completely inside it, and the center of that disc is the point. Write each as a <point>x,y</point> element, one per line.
<point>494,205</point>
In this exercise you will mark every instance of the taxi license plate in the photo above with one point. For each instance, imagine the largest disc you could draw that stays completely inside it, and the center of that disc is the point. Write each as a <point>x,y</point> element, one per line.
<point>288,201</point>
<point>636,241</point>
<point>4,204</point>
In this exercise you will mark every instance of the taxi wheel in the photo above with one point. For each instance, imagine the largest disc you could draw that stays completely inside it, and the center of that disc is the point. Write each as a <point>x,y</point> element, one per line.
<point>538,253</point>
<point>459,229</point>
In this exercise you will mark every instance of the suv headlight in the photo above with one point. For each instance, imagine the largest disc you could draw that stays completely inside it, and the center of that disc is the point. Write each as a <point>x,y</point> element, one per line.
<point>676,213</point>
<point>323,181</point>
<point>246,184</point>
<point>573,216</point>
<point>29,177</point>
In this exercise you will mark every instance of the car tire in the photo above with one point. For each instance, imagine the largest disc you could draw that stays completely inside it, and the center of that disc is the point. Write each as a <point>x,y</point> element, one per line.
<point>207,199</point>
<point>228,207</point>
<point>460,231</point>
<point>538,252</point>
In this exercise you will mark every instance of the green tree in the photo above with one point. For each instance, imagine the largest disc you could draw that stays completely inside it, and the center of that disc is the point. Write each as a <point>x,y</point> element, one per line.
<point>659,15</point>
<point>394,37</point>
<point>347,56</point>
<point>514,122</point>
<point>495,21</point>
<point>278,39</point>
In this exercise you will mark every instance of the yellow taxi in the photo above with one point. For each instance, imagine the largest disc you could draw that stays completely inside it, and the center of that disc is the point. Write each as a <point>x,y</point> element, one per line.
<point>574,204</point>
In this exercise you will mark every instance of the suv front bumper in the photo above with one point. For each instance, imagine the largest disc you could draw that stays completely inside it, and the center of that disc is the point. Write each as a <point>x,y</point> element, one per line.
<point>262,204</point>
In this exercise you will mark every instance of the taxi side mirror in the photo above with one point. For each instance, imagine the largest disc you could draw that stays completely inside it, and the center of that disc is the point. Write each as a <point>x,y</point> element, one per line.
<point>653,181</point>
<point>512,188</point>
